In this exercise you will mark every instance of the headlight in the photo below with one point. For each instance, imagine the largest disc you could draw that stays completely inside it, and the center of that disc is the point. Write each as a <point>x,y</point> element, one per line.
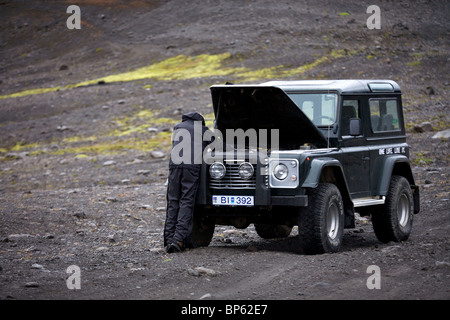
<point>246,170</point>
<point>284,173</point>
<point>280,171</point>
<point>217,170</point>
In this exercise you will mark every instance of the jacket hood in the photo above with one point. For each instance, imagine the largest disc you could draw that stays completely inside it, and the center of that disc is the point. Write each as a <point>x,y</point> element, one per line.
<point>193,116</point>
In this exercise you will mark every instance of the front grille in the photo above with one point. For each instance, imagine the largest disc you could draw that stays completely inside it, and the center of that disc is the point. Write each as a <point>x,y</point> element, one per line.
<point>232,180</point>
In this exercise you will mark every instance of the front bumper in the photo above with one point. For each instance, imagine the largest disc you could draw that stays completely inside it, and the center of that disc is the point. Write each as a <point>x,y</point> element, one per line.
<point>291,201</point>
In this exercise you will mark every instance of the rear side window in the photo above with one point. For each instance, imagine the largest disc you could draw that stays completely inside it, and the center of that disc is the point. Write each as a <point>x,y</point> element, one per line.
<point>384,115</point>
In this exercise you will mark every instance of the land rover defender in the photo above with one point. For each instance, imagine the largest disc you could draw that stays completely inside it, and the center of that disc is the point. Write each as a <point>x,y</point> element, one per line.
<point>324,150</point>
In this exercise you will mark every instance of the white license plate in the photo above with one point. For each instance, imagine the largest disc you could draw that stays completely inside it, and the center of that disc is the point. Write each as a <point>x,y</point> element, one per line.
<point>233,200</point>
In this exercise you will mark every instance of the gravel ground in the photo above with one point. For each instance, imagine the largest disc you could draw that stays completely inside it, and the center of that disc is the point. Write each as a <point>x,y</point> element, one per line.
<point>82,170</point>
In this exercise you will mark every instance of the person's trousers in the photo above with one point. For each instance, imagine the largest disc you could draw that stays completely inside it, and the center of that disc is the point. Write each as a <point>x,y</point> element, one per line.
<point>181,193</point>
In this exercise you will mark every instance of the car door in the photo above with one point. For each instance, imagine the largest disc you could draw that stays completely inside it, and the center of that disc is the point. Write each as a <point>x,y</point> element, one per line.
<point>356,160</point>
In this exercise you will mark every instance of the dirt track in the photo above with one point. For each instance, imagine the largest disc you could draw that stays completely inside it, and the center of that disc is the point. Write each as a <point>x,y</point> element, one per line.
<point>82,168</point>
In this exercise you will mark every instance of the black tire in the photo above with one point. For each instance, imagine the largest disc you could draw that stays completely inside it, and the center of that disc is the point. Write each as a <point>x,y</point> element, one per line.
<point>202,230</point>
<point>271,231</point>
<point>393,222</point>
<point>321,223</point>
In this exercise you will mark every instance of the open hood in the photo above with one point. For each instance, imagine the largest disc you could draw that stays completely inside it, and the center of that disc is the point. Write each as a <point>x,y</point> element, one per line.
<point>264,107</point>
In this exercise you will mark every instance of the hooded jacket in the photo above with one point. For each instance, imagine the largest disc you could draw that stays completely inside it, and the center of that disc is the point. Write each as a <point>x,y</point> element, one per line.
<point>187,141</point>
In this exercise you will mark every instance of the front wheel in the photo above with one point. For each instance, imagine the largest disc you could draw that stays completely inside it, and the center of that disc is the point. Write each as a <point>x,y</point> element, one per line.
<point>321,224</point>
<point>394,220</point>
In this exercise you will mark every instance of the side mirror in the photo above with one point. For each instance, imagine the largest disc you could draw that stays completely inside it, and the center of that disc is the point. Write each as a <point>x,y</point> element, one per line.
<point>355,127</point>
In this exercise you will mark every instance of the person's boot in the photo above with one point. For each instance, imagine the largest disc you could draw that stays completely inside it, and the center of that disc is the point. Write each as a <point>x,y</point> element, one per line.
<point>175,247</point>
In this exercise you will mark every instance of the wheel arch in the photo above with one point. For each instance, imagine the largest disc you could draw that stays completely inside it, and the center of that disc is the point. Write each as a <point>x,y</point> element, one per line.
<point>398,165</point>
<point>330,170</point>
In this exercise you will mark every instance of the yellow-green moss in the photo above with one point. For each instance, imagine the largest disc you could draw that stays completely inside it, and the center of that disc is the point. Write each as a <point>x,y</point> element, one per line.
<point>417,59</point>
<point>184,67</point>
<point>30,92</point>
<point>133,124</point>
<point>161,140</point>
<point>333,55</point>
<point>177,68</point>
<point>209,119</point>
<point>414,63</point>
<point>112,142</point>
<point>21,146</point>
<point>79,139</point>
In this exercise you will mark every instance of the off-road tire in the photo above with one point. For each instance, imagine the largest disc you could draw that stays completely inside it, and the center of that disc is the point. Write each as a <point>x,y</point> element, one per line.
<point>316,232</point>
<point>393,222</point>
<point>202,230</point>
<point>271,231</point>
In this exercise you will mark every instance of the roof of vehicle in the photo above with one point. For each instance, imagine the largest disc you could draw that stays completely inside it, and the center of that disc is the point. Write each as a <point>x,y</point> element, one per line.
<point>342,86</point>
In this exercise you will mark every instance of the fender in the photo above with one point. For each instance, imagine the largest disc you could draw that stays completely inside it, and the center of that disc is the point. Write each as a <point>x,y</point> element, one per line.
<point>314,177</point>
<point>317,165</point>
<point>395,165</point>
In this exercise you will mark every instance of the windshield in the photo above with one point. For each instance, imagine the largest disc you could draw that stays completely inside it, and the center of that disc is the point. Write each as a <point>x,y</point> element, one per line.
<point>320,108</point>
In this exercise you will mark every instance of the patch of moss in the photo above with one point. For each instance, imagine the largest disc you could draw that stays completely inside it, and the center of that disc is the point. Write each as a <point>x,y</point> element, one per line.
<point>333,55</point>
<point>30,92</point>
<point>161,140</point>
<point>422,160</point>
<point>184,67</point>
<point>21,146</point>
<point>209,119</point>
<point>138,123</point>
<point>176,68</point>
<point>417,59</point>
<point>414,63</point>
<point>80,139</point>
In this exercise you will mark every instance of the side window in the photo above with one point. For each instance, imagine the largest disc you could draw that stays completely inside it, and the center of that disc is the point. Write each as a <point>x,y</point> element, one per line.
<point>384,115</point>
<point>350,109</point>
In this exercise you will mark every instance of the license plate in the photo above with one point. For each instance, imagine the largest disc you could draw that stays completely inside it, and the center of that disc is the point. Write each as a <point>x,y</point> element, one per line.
<point>233,200</point>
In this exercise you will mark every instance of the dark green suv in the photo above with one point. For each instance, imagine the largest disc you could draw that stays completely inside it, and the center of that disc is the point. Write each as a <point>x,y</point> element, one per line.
<point>307,153</point>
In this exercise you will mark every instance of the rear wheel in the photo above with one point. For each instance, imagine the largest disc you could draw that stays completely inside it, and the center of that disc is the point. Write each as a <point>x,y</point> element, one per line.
<point>270,231</point>
<point>321,223</point>
<point>393,222</point>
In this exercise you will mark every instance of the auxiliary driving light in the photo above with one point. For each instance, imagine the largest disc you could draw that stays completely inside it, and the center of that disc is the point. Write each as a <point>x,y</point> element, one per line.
<point>217,170</point>
<point>246,170</point>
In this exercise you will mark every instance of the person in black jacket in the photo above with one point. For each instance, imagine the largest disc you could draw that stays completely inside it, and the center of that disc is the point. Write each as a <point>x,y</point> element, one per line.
<point>184,171</point>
